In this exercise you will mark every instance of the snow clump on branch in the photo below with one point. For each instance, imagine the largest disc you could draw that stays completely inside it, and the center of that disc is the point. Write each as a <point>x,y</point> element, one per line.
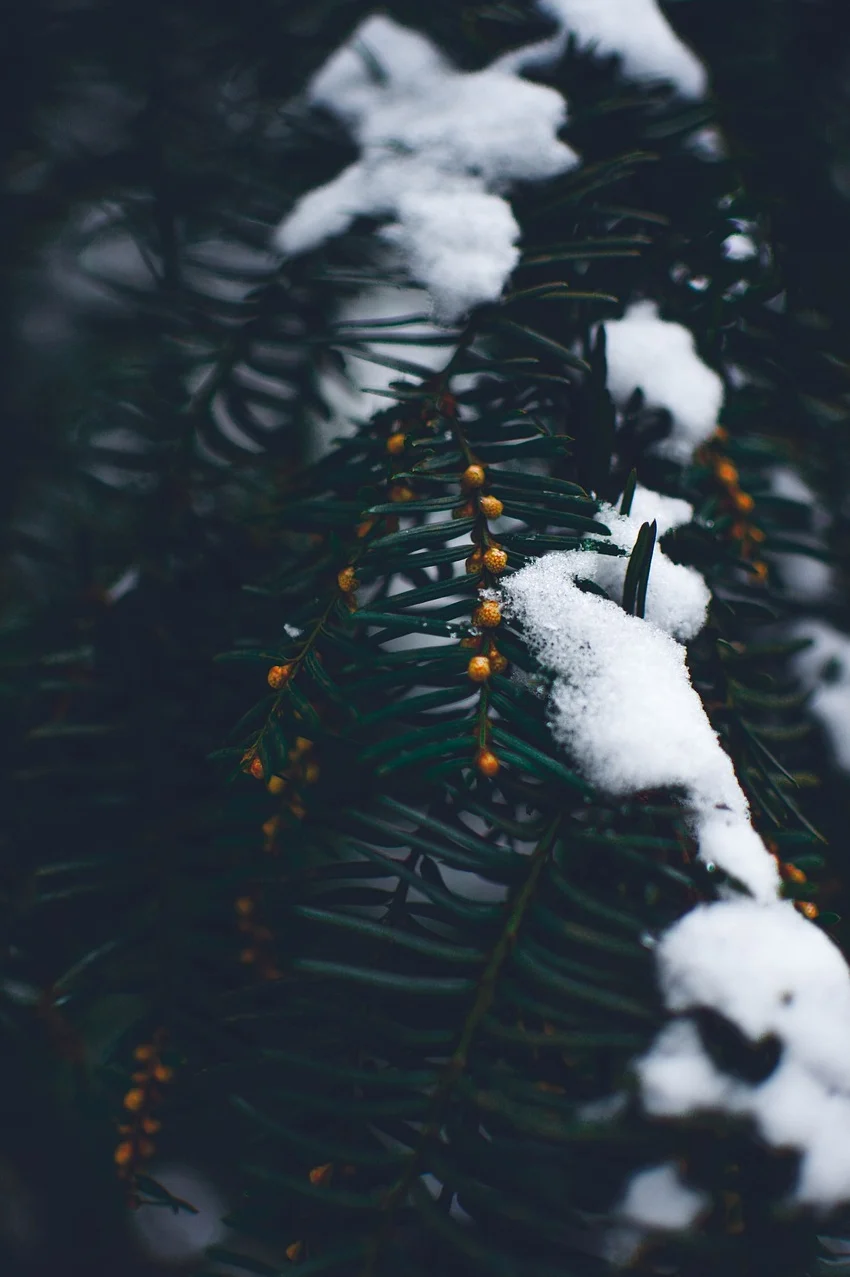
<point>623,705</point>
<point>439,149</point>
<point>660,358</point>
<point>636,31</point>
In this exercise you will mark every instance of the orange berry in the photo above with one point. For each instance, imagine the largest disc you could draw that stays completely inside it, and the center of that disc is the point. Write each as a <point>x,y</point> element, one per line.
<point>346,580</point>
<point>487,762</point>
<point>808,908</point>
<point>364,528</point>
<point>134,1099</point>
<point>757,535</point>
<point>123,1153</point>
<point>294,1251</point>
<point>150,1125</point>
<point>726,472</point>
<point>744,502</point>
<point>270,826</point>
<point>396,443</point>
<point>498,662</point>
<point>144,1052</point>
<point>256,769</point>
<point>792,874</point>
<point>276,784</point>
<point>487,615</point>
<point>400,492</point>
<point>471,640</point>
<point>473,477</point>
<point>321,1174</point>
<point>244,906</point>
<point>474,562</point>
<point>478,669</point>
<point>761,570</point>
<point>163,1073</point>
<point>491,507</point>
<point>496,560</point>
<point>278,675</point>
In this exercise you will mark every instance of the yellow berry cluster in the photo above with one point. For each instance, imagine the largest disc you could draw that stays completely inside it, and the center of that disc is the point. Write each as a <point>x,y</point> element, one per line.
<point>258,950</point>
<point>740,503</point>
<point>303,770</point>
<point>141,1100</point>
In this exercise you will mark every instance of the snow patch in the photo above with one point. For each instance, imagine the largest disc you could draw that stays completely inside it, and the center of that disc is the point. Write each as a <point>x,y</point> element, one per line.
<point>770,972</point>
<point>622,702</point>
<point>660,358</point>
<point>635,30</point>
<point>439,148</point>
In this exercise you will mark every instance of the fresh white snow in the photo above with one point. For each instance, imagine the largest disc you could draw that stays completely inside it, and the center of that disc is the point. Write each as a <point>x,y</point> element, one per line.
<point>647,352</point>
<point>635,30</point>
<point>622,703</point>
<point>769,971</point>
<point>439,148</point>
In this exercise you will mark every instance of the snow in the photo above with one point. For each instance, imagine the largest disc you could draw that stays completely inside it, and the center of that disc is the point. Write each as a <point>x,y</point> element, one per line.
<point>677,597</point>
<point>797,988</point>
<point>738,247</point>
<point>660,358</point>
<point>824,668</point>
<point>657,1198</point>
<point>635,30</point>
<point>622,703</point>
<point>439,148</point>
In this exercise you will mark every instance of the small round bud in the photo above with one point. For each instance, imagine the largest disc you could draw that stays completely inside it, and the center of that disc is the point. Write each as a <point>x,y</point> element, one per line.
<point>726,472</point>
<point>311,773</point>
<point>487,615</point>
<point>791,873</point>
<point>744,502</point>
<point>487,762</point>
<point>134,1099</point>
<point>244,905</point>
<point>293,1252</point>
<point>474,562</point>
<point>150,1125</point>
<point>465,511</point>
<point>395,444</point>
<point>478,669</point>
<point>364,528</point>
<point>471,641</point>
<point>248,956</point>
<point>256,769</point>
<point>495,560</point>
<point>808,909</point>
<point>123,1153</point>
<point>321,1174</point>
<point>346,580</point>
<point>491,507</point>
<point>400,492</point>
<point>473,477</point>
<point>276,785</point>
<point>498,663</point>
<point>757,535</point>
<point>147,1148</point>
<point>144,1052</point>
<point>278,675</point>
<point>163,1073</point>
